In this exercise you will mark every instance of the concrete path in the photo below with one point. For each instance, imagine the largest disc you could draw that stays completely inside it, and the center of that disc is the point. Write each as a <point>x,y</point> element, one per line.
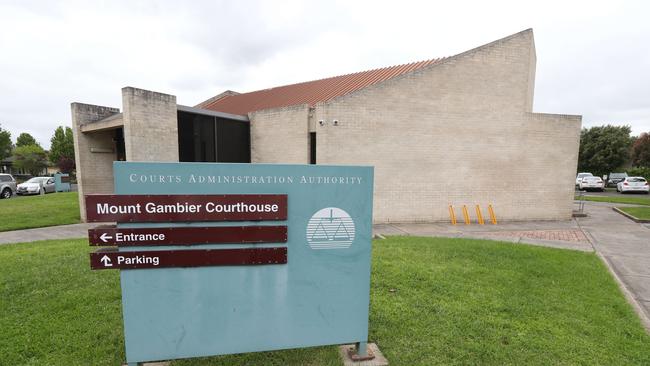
<point>556,234</point>
<point>46,233</point>
<point>625,247</point>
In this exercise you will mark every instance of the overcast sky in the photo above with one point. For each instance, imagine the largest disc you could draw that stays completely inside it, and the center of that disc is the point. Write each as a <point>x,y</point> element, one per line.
<point>593,57</point>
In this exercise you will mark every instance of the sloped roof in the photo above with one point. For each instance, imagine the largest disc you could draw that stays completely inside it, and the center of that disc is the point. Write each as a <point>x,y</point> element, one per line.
<point>310,92</point>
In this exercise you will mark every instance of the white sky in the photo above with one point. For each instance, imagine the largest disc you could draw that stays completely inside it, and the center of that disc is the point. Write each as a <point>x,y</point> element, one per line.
<point>593,57</point>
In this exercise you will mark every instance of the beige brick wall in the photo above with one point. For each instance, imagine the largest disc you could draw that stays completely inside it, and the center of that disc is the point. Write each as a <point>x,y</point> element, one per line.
<point>280,135</point>
<point>150,125</point>
<point>459,132</point>
<point>94,169</point>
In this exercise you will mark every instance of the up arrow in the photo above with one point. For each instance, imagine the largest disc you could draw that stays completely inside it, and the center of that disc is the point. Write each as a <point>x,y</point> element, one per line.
<point>106,261</point>
<point>104,237</point>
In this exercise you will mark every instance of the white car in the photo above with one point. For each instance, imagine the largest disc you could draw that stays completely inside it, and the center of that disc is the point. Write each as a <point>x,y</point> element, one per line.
<point>592,183</point>
<point>36,185</point>
<point>633,184</point>
<point>582,175</point>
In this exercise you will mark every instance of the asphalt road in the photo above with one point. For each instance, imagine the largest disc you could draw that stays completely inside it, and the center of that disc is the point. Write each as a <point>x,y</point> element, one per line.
<point>610,192</point>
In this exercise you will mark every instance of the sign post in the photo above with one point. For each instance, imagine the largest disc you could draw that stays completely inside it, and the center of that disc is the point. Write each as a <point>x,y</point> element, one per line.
<point>230,258</point>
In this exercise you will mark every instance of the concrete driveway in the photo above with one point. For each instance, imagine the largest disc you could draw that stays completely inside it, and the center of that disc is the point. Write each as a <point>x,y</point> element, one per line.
<point>624,245</point>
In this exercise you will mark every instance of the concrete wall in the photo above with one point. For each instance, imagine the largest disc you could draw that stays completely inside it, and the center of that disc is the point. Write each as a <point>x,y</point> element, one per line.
<point>94,169</point>
<point>150,125</point>
<point>459,132</point>
<point>280,135</point>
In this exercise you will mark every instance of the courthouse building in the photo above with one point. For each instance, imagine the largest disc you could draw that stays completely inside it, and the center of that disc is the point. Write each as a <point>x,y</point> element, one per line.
<point>458,130</point>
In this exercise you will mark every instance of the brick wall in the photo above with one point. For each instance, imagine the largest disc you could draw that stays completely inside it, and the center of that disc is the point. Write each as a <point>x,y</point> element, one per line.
<point>280,135</point>
<point>458,132</point>
<point>94,169</point>
<point>150,125</point>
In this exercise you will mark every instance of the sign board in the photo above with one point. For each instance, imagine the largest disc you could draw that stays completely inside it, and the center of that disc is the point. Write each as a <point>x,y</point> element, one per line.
<point>61,182</point>
<point>108,235</point>
<point>103,259</point>
<point>318,296</point>
<point>175,208</point>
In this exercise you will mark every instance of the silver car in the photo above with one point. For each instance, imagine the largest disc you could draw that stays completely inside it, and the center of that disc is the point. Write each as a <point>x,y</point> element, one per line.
<point>36,185</point>
<point>7,186</point>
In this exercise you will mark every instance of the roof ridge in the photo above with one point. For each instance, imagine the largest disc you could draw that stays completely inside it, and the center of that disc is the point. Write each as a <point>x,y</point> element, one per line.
<point>316,91</point>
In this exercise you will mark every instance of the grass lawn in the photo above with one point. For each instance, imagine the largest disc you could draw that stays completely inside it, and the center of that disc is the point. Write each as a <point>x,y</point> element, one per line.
<point>635,200</point>
<point>39,211</point>
<point>433,301</point>
<point>642,213</point>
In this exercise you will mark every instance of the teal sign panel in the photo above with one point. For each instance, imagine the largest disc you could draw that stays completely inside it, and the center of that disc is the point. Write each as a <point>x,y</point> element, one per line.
<point>62,182</point>
<point>319,297</point>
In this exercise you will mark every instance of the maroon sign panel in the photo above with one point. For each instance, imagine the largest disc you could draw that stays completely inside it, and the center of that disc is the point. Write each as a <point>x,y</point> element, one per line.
<point>104,259</point>
<point>169,208</point>
<point>110,235</point>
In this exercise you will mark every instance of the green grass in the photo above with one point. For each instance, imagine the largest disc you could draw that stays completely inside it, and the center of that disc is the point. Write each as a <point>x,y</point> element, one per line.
<point>39,211</point>
<point>433,302</point>
<point>641,213</point>
<point>634,200</point>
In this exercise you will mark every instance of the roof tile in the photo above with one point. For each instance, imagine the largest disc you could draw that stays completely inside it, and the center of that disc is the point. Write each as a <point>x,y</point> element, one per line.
<point>310,92</point>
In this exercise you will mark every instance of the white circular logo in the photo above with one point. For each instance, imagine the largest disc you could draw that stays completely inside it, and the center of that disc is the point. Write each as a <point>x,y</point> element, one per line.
<point>330,228</point>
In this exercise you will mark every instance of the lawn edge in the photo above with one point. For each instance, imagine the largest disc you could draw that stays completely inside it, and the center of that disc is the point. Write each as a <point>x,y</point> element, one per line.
<point>633,218</point>
<point>41,227</point>
<point>603,199</point>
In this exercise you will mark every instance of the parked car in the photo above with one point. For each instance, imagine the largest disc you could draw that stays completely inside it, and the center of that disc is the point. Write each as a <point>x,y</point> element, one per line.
<point>614,178</point>
<point>582,175</point>
<point>36,185</point>
<point>7,186</point>
<point>633,184</point>
<point>592,184</point>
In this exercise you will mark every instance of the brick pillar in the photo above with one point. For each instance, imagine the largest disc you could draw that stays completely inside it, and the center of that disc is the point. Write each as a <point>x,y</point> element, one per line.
<point>94,169</point>
<point>150,125</point>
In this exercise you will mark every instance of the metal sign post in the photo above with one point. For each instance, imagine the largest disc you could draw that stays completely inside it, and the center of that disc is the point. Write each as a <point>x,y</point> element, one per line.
<point>230,258</point>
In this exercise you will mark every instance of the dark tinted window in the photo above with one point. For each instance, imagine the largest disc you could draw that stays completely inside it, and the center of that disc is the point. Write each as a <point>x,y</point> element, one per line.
<point>196,138</point>
<point>233,141</point>
<point>4,178</point>
<point>211,139</point>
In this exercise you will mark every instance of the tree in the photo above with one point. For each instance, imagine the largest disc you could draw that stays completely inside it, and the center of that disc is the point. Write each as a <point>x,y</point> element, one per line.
<point>604,149</point>
<point>641,151</point>
<point>62,149</point>
<point>31,158</point>
<point>66,165</point>
<point>25,139</point>
<point>5,144</point>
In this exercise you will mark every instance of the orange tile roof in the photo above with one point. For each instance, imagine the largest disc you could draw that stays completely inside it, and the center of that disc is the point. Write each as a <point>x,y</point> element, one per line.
<point>310,92</point>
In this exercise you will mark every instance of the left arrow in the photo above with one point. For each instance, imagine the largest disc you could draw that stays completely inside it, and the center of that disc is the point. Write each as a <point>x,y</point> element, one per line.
<point>102,235</point>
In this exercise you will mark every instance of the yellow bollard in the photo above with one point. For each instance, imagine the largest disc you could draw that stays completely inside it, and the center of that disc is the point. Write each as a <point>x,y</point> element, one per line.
<point>479,216</point>
<point>493,217</point>
<point>452,214</point>
<point>466,215</point>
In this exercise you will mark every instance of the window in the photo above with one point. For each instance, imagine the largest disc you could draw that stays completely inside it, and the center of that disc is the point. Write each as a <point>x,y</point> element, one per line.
<point>207,138</point>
